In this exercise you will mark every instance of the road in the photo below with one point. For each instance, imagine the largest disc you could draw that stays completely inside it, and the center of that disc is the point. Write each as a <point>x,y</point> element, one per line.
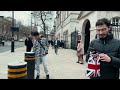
<point>7,46</point>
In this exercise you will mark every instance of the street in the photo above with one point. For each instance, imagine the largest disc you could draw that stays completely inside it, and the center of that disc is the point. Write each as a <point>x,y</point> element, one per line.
<point>7,46</point>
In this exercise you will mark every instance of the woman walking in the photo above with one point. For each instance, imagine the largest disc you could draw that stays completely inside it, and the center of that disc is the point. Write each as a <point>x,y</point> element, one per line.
<point>80,52</point>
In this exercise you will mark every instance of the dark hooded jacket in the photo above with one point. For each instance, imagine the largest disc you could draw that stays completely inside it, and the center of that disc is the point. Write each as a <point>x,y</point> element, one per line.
<point>111,47</point>
<point>28,44</point>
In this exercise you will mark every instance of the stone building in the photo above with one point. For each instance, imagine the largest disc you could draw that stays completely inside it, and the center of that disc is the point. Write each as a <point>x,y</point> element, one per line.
<point>87,20</point>
<point>73,25</point>
<point>65,24</point>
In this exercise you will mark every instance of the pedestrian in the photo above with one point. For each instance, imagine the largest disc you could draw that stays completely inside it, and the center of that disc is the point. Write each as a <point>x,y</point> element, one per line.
<point>49,41</point>
<point>108,49</point>
<point>52,44</point>
<point>62,44</point>
<point>96,36</point>
<point>28,43</point>
<point>39,47</point>
<point>80,52</point>
<point>56,45</point>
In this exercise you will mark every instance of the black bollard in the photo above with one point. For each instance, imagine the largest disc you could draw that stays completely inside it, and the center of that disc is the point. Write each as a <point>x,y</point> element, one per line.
<point>30,59</point>
<point>17,70</point>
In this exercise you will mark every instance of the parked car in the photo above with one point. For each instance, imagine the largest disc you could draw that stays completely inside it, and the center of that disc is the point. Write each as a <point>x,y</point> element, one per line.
<point>21,40</point>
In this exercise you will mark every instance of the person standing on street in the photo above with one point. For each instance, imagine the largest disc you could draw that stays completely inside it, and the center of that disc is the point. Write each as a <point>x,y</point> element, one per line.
<point>28,43</point>
<point>39,47</point>
<point>108,49</point>
<point>56,45</point>
<point>80,52</point>
<point>52,44</point>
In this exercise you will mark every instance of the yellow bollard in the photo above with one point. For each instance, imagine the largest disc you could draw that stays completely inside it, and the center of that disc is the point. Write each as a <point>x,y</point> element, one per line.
<point>30,59</point>
<point>17,70</point>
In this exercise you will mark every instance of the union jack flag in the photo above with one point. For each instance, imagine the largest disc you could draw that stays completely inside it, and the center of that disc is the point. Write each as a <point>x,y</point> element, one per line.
<point>93,69</point>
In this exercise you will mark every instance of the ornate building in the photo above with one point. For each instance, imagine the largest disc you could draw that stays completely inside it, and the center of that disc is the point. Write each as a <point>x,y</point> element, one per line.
<point>87,20</point>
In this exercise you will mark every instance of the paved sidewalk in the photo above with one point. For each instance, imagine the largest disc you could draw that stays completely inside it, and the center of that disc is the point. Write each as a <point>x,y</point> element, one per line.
<point>8,57</point>
<point>61,66</point>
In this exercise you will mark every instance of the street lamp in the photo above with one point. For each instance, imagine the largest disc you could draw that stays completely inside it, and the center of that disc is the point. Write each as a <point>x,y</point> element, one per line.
<point>54,30</point>
<point>31,22</point>
<point>12,39</point>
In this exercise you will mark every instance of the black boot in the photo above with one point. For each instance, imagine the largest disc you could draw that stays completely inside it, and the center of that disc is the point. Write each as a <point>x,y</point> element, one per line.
<point>37,77</point>
<point>47,76</point>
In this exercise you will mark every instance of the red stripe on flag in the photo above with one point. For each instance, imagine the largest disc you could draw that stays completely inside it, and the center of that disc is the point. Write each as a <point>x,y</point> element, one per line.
<point>91,66</point>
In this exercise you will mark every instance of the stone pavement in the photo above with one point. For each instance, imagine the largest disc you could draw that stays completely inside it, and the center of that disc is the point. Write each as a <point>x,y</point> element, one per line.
<point>8,57</point>
<point>61,66</point>
<point>64,66</point>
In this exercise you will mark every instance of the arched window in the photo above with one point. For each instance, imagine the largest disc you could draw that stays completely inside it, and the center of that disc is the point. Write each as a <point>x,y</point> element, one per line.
<point>115,24</point>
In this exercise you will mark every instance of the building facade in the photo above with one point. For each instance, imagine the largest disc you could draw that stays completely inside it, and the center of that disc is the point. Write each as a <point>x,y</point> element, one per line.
<point>65,24</point>
<point>87,20</point>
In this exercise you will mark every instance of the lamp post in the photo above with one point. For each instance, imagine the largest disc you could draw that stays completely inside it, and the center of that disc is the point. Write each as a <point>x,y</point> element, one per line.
<point>31,22</point>
<point>12,39</point>
<point>54,30</point>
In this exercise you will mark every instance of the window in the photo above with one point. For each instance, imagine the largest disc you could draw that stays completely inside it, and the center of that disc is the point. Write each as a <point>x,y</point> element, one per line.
<point>115,23</point>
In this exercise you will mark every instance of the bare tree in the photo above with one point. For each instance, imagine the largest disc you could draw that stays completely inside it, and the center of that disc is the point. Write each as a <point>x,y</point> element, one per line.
<point>43,17</point>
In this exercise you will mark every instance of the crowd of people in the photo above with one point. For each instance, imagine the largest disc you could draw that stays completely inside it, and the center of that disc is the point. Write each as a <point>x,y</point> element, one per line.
<point>61,43</point>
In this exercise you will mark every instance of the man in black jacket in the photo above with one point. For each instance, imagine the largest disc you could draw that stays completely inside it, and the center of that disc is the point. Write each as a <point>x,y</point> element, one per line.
<point>108,49</point>
<point>28,43</point>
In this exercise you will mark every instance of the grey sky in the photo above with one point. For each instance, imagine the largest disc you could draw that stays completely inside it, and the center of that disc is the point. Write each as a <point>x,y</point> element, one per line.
<point>23,16</point>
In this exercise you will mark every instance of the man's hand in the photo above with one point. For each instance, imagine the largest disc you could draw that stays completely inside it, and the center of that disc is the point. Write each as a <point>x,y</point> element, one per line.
<point>104,57</point>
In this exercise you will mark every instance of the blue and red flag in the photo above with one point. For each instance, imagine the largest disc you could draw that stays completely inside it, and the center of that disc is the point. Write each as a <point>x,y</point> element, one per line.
<point>93,68</point>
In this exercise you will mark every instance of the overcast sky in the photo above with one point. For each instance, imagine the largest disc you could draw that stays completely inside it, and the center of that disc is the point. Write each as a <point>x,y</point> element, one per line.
<point>23,16</point>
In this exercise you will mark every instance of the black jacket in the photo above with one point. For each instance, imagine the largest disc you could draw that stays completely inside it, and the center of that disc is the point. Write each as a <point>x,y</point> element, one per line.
<point>58,43</point>
<point>28,42</point>
<point>111,47</point>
